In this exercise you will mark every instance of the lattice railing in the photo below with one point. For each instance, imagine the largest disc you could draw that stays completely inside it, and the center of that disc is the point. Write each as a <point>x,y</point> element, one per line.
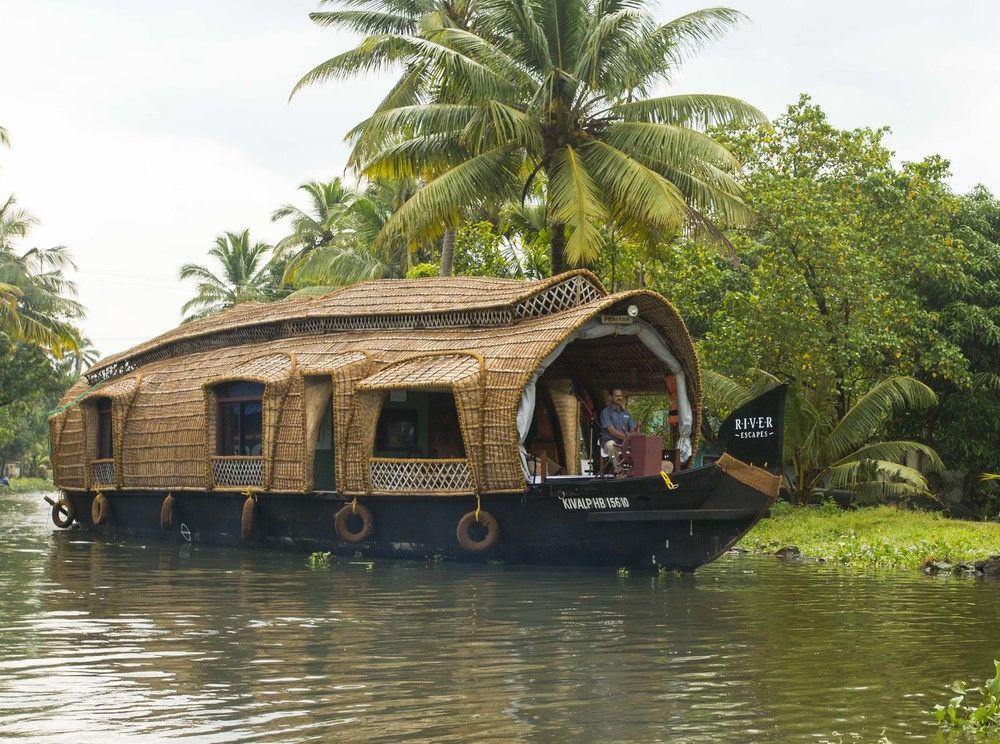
<point>420,476</point>
<point>104,472</point>
<point>562,296</point>
<point>238,471</point>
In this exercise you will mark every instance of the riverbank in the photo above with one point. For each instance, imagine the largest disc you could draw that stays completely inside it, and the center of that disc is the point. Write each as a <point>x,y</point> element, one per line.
<point>874,537</point>
<point>28,485</point>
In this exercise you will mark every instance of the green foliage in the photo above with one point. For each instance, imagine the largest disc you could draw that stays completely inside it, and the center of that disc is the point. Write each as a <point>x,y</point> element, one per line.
<point>245,276</point>
<point>966,425</point>
<point>349,252</point>
<point>319,559</point>
<point>478,252</point>
<point>826,449</point>
<point>495,94</point>
<point>30,385</point>
<point>422,270</point>
<point>963,713</point>
<point>36,298</point>
<point>873,537</point>
<point>841,239</point>
<point>28,485</point>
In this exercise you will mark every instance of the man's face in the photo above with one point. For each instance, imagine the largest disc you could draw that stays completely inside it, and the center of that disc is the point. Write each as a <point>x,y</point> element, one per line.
<point>618,398</point>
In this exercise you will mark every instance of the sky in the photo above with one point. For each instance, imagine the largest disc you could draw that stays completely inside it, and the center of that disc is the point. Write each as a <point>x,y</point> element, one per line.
<point>141,130</point>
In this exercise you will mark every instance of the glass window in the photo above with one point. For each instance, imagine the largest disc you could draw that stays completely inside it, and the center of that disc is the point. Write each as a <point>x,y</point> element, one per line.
<point>419,424</point>
<point>240,419</point>
<point>105,437</point>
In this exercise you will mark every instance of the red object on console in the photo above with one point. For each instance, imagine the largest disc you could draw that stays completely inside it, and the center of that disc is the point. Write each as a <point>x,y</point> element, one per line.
<point>647,454</point>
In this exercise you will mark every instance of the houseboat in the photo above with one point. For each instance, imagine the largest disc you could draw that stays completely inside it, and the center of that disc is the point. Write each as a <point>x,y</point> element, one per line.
<point>453,418</point>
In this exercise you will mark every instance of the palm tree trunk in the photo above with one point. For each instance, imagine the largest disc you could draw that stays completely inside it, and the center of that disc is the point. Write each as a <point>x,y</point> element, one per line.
<point>447,253</point>
<point>558,246</point>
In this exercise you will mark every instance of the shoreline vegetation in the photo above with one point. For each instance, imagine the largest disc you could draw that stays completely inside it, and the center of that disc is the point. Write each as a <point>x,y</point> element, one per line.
<point>876,537</point>
<point>28,485</point>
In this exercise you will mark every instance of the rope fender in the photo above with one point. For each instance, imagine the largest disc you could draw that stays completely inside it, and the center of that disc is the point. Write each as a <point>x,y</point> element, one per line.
<point>63,513</point>
<point>342,526</point>
<point>167,513</point>
<point>248,520</point>
<point>464,530</point>
<point>100,508</point>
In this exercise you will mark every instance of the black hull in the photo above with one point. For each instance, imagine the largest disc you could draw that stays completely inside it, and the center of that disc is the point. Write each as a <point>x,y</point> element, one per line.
<point>636,522</point>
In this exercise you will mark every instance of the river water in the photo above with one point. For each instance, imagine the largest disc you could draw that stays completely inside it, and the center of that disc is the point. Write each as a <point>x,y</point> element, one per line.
<point>107,641</point>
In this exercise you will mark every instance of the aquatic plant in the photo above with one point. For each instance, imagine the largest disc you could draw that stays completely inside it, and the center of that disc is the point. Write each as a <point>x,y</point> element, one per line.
<point>319,559</point>
<point>963,713</point>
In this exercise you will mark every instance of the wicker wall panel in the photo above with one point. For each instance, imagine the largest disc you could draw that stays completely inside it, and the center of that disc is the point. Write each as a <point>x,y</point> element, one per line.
<point>68,466</point>
<point>164,445</point>
<point>360,441</point>
<point>567,408</point>
<point>355,367</point>
<point>290,451</point>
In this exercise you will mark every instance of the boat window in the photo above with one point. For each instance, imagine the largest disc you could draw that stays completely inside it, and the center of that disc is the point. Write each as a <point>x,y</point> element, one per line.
<point>419,424</point>
<point>105,437</point>
<point>240,418</point>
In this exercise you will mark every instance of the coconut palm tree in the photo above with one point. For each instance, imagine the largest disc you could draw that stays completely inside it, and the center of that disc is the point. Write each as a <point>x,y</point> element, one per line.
<point>36,302</point>
<point>327,222</point>
<point>245,276</point>
<point>402,17</point>
<point>823,451</point>
<point>357,259</point>
<point>529,87</point>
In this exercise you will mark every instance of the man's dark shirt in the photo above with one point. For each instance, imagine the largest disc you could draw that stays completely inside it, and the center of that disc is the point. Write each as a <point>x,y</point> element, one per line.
<point>617,417</point>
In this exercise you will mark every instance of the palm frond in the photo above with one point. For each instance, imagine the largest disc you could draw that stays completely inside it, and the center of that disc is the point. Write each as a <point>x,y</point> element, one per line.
<point>895,451</point>
<point>865,418</point>
<point>576,200</point>
<point>492,174</point>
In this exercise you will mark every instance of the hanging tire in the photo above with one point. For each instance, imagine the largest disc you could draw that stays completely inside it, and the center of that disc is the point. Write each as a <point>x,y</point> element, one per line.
<point>341,522</point>
<point>464,532</point>
<point>248,523</point>
<point>100,509</point>
<point>167,513</point>
<point>63,513</point>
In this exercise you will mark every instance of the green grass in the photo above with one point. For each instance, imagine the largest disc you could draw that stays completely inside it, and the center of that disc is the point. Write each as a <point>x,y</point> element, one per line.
<point>27,485</point>
<point>874,537</point>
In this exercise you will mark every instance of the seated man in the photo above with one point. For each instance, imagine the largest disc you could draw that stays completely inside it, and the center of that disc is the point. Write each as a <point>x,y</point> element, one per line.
<point>616,425</point>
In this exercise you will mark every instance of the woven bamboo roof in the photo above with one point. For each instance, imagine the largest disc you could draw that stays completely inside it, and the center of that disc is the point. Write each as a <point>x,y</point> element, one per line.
<point>440,301</point>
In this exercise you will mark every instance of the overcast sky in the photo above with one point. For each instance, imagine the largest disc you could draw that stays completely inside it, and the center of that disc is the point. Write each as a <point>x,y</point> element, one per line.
<point>142,129</point>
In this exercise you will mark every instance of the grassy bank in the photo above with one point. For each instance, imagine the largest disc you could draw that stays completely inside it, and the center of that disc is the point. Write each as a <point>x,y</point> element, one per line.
<point>27,485</point>
<point>874,537</point>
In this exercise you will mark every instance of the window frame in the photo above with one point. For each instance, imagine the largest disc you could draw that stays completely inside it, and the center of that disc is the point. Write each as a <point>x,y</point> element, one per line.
<point>104,408</point>
<point>222,402</point>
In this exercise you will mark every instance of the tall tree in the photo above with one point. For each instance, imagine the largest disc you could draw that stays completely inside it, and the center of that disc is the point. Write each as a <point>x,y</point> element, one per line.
<point>36,298</point>
<point>358,258</point>
<point>326,222</point>
<point>407,17</point>
<point>841,241</point>
<point>244,277</point>
<point>527,87</point>
<point>965,427</point>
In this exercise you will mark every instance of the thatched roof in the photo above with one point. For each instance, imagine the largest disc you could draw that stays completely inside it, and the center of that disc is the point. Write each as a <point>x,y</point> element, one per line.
<point>392,303</point>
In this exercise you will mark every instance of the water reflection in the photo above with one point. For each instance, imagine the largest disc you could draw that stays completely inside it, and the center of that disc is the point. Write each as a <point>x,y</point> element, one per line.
<point>122,641</point>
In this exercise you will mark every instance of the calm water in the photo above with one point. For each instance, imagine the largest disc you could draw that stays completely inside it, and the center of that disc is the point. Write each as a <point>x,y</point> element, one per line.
<point>104,641</point>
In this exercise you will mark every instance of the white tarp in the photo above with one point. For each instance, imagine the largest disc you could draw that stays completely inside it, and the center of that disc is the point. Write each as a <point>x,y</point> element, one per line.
<point>595,329</point>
